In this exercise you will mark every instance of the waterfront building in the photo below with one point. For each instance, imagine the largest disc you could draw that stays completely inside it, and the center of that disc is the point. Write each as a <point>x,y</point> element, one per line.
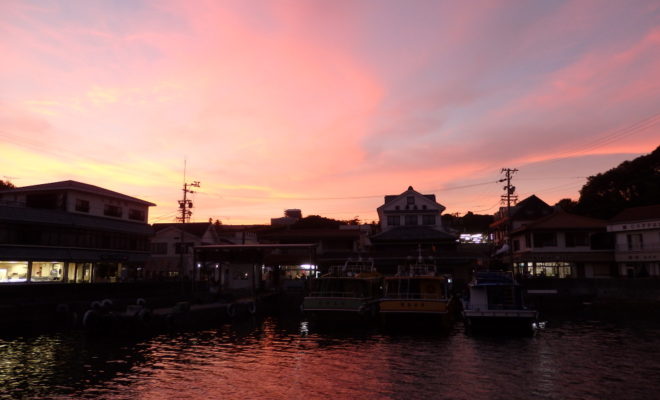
<point>508,220</point>
<point>172,244</point>
<point>332,246</point>
<point>562,245</point>
<point>70,231</point>
<point>250,268</point>
<point>411,226</point>
<point>637,250</point>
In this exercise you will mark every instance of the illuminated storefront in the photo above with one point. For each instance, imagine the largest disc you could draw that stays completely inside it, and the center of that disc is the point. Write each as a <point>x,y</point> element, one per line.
<point>551,269</point>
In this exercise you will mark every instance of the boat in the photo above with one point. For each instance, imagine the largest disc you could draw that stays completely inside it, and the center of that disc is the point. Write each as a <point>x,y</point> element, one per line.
<point>347,293</point>
<point>495,303</point>
<point>417,295</point>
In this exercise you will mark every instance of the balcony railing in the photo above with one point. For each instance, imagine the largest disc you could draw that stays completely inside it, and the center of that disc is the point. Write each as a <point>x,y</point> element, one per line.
<point>640,247</point>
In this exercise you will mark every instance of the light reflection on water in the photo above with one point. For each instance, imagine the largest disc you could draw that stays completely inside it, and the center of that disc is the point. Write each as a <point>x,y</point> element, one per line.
<point>276,359</point>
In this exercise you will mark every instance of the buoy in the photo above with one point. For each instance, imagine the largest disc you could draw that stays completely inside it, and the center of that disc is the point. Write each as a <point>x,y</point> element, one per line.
<point>106,304</point>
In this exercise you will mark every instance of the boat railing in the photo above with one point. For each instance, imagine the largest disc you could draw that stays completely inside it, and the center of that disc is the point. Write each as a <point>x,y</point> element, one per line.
<point>324,293</point>
<point>485,306</point>
<point>415,296</point>
<point>417,270</point>
<point>352,268</point>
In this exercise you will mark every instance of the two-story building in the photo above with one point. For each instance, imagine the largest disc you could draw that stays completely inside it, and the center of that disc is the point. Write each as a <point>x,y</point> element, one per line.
<point>508,220</point>
<point>411,227</point>
<point>71,232</point>
<point>637,231</point>
<point>172,247</point>
<point>562,245</point>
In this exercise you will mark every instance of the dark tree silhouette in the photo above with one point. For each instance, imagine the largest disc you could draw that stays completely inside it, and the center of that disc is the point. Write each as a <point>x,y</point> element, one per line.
<point>6,185</point>
<point>568,205</point>
<point>631,184</point>
<point>469,223</point>
<point>316,221</point>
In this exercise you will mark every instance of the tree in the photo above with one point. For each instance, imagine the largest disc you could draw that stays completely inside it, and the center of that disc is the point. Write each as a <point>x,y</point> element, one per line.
<point>6,185</point>
<point>316,221</point>
<point>568,205</point>
<point>631,184</point>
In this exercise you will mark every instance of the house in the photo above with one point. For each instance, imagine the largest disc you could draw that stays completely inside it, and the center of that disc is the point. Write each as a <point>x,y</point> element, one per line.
<point>637,231</point>
<point>508,220</point>
<point>172,244</point>
<point>411,227</point>
<point>70,231</point>
<point>562,245</point>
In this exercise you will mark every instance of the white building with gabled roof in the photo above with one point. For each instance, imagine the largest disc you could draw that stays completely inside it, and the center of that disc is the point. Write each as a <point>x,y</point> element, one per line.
<point>410,209</point>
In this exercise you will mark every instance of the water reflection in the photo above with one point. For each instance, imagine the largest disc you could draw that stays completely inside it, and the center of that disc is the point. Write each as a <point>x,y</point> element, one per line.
<point>273,358</point>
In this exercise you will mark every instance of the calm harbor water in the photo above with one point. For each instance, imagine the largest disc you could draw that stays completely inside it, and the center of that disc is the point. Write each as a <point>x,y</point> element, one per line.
<point>288,359</point>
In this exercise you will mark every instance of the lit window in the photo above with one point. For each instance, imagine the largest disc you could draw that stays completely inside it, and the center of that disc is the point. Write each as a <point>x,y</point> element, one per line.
<point>47,271</point>
<point>13,271</point>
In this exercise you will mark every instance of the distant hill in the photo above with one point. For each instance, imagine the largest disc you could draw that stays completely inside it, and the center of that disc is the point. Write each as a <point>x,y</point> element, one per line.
<point>631,184</point>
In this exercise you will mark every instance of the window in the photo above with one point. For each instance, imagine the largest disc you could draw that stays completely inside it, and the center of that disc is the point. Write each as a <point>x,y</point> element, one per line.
<point>82,205</point>
<point>516,245</point>
<point>13,271</point>
<point>411,220</point>
<point>635,242</point>
<point>575,239</point>
<point>47,200</point>
<point>137,215</point>
<point>393,220</point>
<point>545,239</point>
<point>185,246</point>
<point>410,200</point>
<point>428,219</point>
<point>158,248</point>
<point>47,271</point>
<point>112,211</point>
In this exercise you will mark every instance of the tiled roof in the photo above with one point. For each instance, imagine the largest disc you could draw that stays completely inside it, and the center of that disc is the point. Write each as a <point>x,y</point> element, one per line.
<point>194,228</point>
<point>564,220</point>
<point>321,233</point>
<point>78,186</point>
<point>412,233</point>
<point>638,214</point>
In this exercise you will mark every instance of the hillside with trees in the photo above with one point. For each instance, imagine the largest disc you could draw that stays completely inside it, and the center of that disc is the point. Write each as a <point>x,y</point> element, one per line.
<point>632,183</point>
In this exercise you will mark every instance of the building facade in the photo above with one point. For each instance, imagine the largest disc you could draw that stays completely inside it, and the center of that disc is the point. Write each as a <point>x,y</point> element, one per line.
<point>72,232</point>
<point>562,245</point>
<point>172,248</point>
<point>637,250</point>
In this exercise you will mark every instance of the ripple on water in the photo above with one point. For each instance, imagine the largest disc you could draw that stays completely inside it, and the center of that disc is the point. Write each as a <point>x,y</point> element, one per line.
<point>267,359</point>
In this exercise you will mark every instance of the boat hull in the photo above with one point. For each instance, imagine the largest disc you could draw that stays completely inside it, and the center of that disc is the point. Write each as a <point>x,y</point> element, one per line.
<point>415,313</point>
<point>343,309</point>
<point>508,321</point>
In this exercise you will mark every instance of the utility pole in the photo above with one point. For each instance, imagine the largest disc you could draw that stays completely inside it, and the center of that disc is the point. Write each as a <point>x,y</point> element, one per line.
<point>184,206</point>
<point>507,198</point>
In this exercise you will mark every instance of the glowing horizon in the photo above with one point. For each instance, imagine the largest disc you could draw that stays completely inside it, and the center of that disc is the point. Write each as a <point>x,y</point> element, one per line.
<point>325,106</point>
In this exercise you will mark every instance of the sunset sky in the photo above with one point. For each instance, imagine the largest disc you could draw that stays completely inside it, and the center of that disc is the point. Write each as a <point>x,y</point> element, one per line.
<point>325,106</point>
